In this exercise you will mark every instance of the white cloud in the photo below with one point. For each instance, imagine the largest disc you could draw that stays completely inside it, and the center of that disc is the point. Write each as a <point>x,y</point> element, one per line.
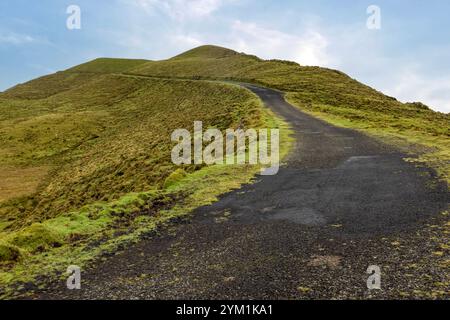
<point>16,39</point>
<point>186,41</point>
<point>181,9</point>
<point>308,49</point>
<point>412,86</point>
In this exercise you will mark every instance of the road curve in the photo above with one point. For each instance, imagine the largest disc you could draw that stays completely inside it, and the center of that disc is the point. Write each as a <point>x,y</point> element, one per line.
<point>310,231</point>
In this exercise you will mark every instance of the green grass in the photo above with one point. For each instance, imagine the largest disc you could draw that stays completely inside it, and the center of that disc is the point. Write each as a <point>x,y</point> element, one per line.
<point>109,137</point>
<point>107,65</point>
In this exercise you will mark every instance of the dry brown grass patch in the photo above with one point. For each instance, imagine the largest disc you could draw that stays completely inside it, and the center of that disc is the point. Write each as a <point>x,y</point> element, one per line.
<point>17,182</point>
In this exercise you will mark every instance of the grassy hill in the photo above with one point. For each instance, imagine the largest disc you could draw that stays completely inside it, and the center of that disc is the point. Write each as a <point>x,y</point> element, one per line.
<point>85,157</point>
<point>85,153</point>
<point>110,136</point>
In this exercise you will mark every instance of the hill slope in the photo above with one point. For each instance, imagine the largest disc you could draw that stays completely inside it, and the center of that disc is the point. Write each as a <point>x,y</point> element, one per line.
<point>86,152</point>
<point>111,134</point>
<point>83,151</point>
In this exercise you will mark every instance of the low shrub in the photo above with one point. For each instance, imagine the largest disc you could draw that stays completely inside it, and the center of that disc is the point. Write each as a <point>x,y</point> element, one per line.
<point>36,238</point>
<point>9,253</point>
<point>174,177</point>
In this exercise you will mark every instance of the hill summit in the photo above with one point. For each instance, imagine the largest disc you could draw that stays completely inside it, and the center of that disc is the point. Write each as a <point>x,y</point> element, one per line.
<point>207,51</point>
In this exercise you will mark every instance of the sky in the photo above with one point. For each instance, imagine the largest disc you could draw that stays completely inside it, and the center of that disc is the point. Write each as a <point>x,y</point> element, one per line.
<point>400,47</point>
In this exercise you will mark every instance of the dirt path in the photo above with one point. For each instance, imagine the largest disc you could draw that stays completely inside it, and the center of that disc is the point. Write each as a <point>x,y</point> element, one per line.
<point>310,231</point>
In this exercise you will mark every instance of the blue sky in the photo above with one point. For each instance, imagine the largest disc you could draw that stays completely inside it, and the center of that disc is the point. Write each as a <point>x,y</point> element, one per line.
<point>409,57</point>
